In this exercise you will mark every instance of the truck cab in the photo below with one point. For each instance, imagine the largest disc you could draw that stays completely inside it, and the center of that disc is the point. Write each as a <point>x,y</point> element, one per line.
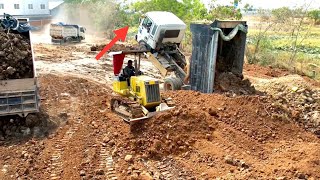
<point>158,28</point>
<point>82,32</point>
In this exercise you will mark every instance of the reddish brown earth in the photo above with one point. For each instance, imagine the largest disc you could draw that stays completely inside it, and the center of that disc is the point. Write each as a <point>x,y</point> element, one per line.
<point>206,136</point>
<point>203,137</point>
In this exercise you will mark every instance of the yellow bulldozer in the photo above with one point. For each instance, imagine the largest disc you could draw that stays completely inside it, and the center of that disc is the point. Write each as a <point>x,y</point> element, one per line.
<point>136,97</point>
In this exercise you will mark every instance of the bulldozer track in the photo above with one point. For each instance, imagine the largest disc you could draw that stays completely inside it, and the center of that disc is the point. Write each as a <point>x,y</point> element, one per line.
<point>56,165</point>
<point>135,108</point>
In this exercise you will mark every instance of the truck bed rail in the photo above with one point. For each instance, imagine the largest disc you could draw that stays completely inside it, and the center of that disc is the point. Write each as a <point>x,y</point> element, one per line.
<point>19,97</point>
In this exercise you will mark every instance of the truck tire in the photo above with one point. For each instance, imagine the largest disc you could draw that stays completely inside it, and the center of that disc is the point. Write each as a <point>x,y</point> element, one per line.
<point>142,46</point>
<point>172,84</point>
<point>32,120</point>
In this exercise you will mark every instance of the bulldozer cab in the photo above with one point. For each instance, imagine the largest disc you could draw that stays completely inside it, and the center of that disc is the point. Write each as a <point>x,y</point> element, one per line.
<point>118,70</point>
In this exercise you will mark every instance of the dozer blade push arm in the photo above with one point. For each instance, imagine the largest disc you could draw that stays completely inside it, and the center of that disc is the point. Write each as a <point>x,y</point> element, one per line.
<point>165,63</point>
<point>157,64</point>
<point>177,69</point>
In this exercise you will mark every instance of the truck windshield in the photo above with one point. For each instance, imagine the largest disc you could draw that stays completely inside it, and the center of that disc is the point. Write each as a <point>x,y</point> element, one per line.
<point>147,23</point>
<point>154,29</point>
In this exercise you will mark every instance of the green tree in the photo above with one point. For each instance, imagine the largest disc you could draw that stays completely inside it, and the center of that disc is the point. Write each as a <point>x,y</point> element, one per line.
<point>222,12</point>
<point>104,15</point>
<point>187,10</point>
<point>315,15</point>
<point>247,7</point>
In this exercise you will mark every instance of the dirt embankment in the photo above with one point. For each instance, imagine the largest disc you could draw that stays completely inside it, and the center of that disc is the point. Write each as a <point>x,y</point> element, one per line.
<point>15,56</point>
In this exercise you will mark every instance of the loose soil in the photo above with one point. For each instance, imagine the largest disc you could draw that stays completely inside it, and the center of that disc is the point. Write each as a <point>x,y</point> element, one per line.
<point>15,55</point>
<point>206,136</point>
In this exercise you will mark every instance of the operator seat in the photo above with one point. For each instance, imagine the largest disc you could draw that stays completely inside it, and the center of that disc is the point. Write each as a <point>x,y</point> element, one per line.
<point>126,78</point>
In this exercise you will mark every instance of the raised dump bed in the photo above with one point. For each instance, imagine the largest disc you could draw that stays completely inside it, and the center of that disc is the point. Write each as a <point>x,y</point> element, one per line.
<point>216,48</point>
<point>19,94</point>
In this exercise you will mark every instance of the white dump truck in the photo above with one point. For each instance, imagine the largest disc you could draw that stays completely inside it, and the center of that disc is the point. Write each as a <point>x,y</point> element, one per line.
<point>61,33</point>
<point>162,32</point>
<point>19,92</point>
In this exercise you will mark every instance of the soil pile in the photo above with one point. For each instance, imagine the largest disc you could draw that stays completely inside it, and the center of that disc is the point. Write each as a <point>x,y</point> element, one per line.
<point>15,56</point>
<point>116,47</point>
<point>171,132</point>
<point>300,100</point>
<point>229,82</point>
<point>252,115</point>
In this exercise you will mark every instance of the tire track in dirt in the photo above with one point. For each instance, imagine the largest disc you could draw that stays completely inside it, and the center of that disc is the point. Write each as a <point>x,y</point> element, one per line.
<point>56,162</point>
<point>60,144</point>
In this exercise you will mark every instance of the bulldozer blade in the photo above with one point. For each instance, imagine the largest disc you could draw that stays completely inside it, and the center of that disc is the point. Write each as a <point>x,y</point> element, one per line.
<point>161,108</point>
<point>137,119</point>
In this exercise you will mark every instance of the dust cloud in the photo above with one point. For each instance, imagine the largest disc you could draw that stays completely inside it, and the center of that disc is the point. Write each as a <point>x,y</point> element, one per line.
<point>97,18</point>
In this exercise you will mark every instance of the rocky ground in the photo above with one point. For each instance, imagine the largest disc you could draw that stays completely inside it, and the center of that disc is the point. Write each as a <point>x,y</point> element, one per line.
<point>269,135</point>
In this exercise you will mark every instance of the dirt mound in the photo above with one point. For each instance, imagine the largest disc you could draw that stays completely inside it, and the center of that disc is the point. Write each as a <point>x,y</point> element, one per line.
<point>256,116</point>
<point>299,99</point>
<point>229,82</point>
<point>116,47</point>
<point>15,56</point>
<point>171,132</point>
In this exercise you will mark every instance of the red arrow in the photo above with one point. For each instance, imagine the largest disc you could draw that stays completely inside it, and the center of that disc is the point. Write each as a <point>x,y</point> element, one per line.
<point>120,34</point>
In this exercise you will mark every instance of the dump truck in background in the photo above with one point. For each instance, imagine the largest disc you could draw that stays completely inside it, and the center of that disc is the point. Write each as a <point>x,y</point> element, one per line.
<point>62,33</point>
<point>19,92</point>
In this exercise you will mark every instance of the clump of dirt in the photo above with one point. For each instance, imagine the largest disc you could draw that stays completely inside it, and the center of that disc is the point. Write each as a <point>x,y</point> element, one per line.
<point>15,56</point>
<point>229,82</point>
<point>171,132</point>
<point>116,47</point>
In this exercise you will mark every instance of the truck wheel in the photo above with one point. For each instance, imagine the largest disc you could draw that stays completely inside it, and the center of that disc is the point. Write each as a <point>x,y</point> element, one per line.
<point>178,83</point>
<point>172,84</point>
<point>142,46</point>
<point>32,120</point>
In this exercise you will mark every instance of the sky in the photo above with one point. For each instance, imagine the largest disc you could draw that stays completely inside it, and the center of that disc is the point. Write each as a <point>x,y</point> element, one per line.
<point>270,4</point>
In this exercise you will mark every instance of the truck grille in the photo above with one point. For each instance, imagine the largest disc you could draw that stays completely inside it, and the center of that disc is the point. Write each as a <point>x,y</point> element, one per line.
<point>153,93</point>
